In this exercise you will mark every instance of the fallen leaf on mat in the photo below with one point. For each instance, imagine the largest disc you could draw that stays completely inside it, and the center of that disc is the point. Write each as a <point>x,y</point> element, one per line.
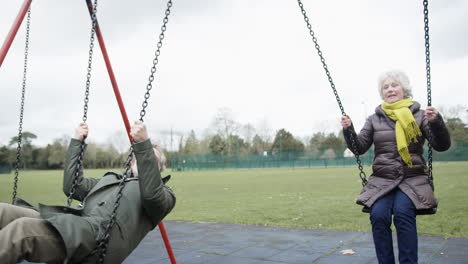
<point>347,252</point>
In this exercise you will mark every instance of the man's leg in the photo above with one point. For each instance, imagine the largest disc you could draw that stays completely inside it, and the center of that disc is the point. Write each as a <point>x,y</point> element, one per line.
<point>381,220</point>
<point>26,238</point>
<point>9,213</point>
<point>404,217</point>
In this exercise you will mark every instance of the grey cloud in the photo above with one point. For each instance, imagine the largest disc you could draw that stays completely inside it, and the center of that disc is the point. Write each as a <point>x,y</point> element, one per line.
<point>254,57</point>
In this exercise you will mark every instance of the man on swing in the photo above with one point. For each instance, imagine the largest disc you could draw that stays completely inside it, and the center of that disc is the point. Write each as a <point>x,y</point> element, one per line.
<point>56,234</point>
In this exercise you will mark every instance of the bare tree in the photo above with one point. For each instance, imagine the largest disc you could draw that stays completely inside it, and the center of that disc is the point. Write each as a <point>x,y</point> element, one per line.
<point>192,145</point>
<point>457,111</point>
<point>168,138</point>
<point>248,131</point>
<point>265,132</point>
<point>181,143</point>
<point>225,125</point>
<point>205,141</point>
<point>119,140</point>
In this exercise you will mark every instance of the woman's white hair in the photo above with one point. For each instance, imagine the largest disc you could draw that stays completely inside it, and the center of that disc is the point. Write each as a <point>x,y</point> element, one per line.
<point>399,77</point>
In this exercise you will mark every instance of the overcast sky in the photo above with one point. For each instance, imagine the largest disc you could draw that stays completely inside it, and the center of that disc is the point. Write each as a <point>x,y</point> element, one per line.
<point>254,57</point>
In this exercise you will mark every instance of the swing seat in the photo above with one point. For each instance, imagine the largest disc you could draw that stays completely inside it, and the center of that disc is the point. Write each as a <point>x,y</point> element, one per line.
<point>429,211</point>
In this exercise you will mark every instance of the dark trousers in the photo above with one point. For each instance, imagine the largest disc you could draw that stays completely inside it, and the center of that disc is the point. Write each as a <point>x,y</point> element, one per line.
<point>404,218</point>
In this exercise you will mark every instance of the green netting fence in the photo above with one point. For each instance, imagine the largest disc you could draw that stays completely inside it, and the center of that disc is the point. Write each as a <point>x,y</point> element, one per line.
<point>5,169</point>
<point>288,159</point>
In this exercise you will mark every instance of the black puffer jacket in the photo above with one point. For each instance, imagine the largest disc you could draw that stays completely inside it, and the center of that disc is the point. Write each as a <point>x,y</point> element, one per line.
<point>388,169</point>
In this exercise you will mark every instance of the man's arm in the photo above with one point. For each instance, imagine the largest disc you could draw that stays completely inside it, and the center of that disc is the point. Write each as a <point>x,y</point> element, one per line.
<point>157,199</point>
<point>83,185</point>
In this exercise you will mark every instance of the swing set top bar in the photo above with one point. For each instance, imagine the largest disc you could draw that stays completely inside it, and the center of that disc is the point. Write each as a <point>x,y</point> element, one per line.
<point>6,46</point>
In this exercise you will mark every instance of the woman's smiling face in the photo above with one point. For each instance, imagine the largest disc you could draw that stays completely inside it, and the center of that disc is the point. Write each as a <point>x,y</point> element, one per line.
<point>392,91</point>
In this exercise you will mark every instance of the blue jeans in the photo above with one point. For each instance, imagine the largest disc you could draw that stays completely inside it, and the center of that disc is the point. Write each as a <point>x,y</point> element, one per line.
<point>404,217</point>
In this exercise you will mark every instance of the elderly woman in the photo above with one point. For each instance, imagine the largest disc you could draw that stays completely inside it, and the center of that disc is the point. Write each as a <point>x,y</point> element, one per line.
<point>399,183</point>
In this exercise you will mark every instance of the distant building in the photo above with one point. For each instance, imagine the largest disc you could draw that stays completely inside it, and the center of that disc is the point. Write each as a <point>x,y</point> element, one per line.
<point>328,154</point>
<point>348,153</point>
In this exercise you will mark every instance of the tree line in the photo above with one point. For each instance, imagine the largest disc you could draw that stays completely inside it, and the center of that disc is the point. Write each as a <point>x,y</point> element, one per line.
<point>232,138</point>
<point>227,137</point>
<point>52,156</point>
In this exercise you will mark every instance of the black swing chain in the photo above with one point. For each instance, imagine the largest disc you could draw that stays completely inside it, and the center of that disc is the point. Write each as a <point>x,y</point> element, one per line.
<point>156,59</point>
<point>102,243</point>
<point>428,82</point>
<point>79,165</point>
<point>362,174</point>
<point>23,92</point>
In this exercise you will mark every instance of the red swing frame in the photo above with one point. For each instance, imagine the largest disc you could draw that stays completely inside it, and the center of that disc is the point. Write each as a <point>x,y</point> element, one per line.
<point>6,46</point>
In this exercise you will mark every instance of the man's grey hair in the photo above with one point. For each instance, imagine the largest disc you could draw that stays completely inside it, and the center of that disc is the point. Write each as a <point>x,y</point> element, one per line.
<point>162,157</point>
<point>399,77</point>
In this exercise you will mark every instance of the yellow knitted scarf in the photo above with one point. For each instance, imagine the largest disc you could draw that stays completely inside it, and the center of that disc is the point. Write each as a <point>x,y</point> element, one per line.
<point>406,128</point>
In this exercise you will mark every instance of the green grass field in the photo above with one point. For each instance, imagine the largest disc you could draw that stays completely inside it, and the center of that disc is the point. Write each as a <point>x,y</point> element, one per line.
<point>310,198</point>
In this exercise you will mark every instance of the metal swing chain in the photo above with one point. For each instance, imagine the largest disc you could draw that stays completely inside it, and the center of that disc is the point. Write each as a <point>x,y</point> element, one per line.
<point>362,174</point>
<point>79,164</point>
<point>428,82</point>
<point>23,92</point>
<point>103,242</point>
<point>155,60</point>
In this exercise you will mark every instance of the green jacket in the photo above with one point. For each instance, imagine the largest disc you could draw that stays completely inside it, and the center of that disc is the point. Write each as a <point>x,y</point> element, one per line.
<point>145,202</point>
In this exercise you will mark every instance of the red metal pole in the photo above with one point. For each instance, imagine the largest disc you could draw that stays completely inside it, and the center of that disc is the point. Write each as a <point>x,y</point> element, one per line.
<point>111,73</point>
<point>14,29</point>
<point>162,229</point>
<point>165,237</point>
